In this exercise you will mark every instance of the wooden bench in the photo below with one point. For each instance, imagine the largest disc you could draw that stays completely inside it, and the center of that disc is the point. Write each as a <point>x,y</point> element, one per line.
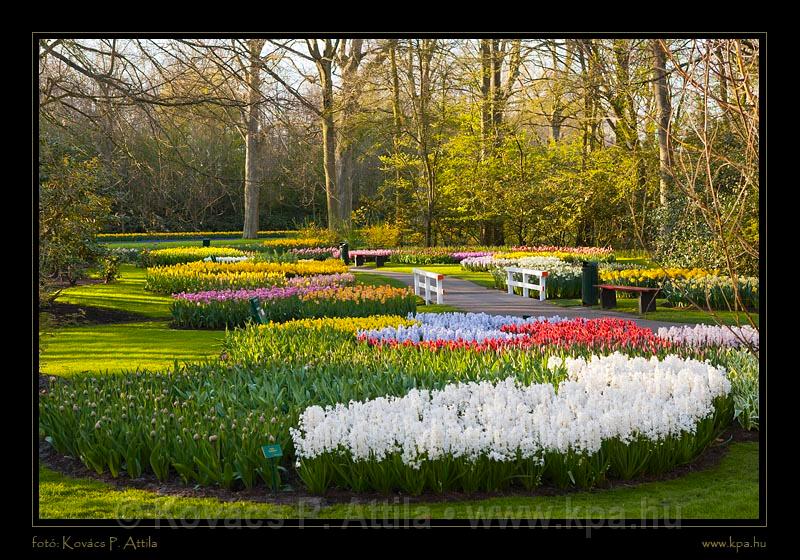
<point>380,260</point>
<point>647,296</point>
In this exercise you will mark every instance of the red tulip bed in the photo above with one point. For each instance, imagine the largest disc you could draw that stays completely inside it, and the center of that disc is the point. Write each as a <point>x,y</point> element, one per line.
<point>594,335</point>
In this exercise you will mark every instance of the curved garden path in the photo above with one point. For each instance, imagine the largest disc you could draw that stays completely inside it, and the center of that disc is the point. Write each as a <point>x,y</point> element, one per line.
<point>470,297</point>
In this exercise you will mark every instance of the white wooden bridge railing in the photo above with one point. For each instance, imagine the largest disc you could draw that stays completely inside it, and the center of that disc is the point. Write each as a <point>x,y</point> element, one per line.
<point>422,285</point>
<point>541,287</point>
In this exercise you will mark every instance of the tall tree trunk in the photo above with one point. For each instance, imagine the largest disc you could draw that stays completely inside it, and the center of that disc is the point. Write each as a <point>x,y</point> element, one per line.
<point>332,191</point>
<point>348,61</point>
<point>487,125</point>
<point>588,61</point>
<point>420,102</point>
<point>555,124</point>
<point>497,92</point>
<point>397,130</point>
<point>345,160</point>
<point>329,164</point>
<point>486,94</point>
<point>664,110</point>
<point>493,97</point>
<point>556,117</point>
<point>422,132</point>
<point>251,184</point>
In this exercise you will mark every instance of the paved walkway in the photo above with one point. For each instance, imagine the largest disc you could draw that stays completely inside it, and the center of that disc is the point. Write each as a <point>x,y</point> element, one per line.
<point>470,297</point>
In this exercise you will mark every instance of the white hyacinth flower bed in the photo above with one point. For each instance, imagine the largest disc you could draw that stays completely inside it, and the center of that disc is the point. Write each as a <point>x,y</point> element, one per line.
<point>627,400</point>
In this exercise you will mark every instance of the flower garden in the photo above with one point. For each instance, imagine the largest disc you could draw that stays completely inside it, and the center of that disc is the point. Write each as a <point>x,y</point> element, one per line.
<point>367,394</point>
<point>432,402</point>
<point>401,281</point>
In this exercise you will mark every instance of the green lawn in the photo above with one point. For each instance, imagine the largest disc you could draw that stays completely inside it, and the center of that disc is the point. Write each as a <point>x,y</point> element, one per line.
<point>377,280</point>
<point>63,497</point>
<point>671,314</point>
<point>126,294</point>
<point>728,491</point>
<point>113,348</point>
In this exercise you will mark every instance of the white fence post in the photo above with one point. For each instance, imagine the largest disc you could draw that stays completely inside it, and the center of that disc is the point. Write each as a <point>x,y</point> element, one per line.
<point>525,291</point>
<point>526,284</point>
<point>543,284</point>
<point>427,289</point>
<point>422,282</point>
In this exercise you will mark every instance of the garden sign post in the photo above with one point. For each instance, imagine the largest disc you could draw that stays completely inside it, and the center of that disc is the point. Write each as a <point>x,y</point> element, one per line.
<point>272,452</point>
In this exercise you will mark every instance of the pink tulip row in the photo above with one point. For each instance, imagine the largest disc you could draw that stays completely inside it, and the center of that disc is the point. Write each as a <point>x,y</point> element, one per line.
<point>317,252</point>
<point>275,292</point>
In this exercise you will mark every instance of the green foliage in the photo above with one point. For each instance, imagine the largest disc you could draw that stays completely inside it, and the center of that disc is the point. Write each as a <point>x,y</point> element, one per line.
<point>713,292</point>
<point>326,237</point>
<point>552,193</point>
<point>743,373</point>
<point>381,236</point>
<point>684,240</point>
<point>109,267</point>
<point>72,209</point>
<point>279,256</point>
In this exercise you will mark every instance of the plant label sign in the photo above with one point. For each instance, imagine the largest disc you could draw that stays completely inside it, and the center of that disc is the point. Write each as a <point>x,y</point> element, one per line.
<point>272,451</point>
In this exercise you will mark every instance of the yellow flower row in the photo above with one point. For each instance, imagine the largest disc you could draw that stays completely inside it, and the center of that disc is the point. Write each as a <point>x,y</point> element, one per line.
<point>358,293</point>
<point>346,324</point>
<point>646,274</point>
<point>177,255</point>
<point>200,276</point>
<point>299,243</point>
<point>199,252</point>
<point>300,268</point>
<point>183,234</point>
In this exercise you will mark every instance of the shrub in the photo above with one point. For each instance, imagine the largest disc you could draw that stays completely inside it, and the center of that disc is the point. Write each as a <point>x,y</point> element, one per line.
<point>72,209</point>
<point>109,268</point>
<point>381,235</point>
